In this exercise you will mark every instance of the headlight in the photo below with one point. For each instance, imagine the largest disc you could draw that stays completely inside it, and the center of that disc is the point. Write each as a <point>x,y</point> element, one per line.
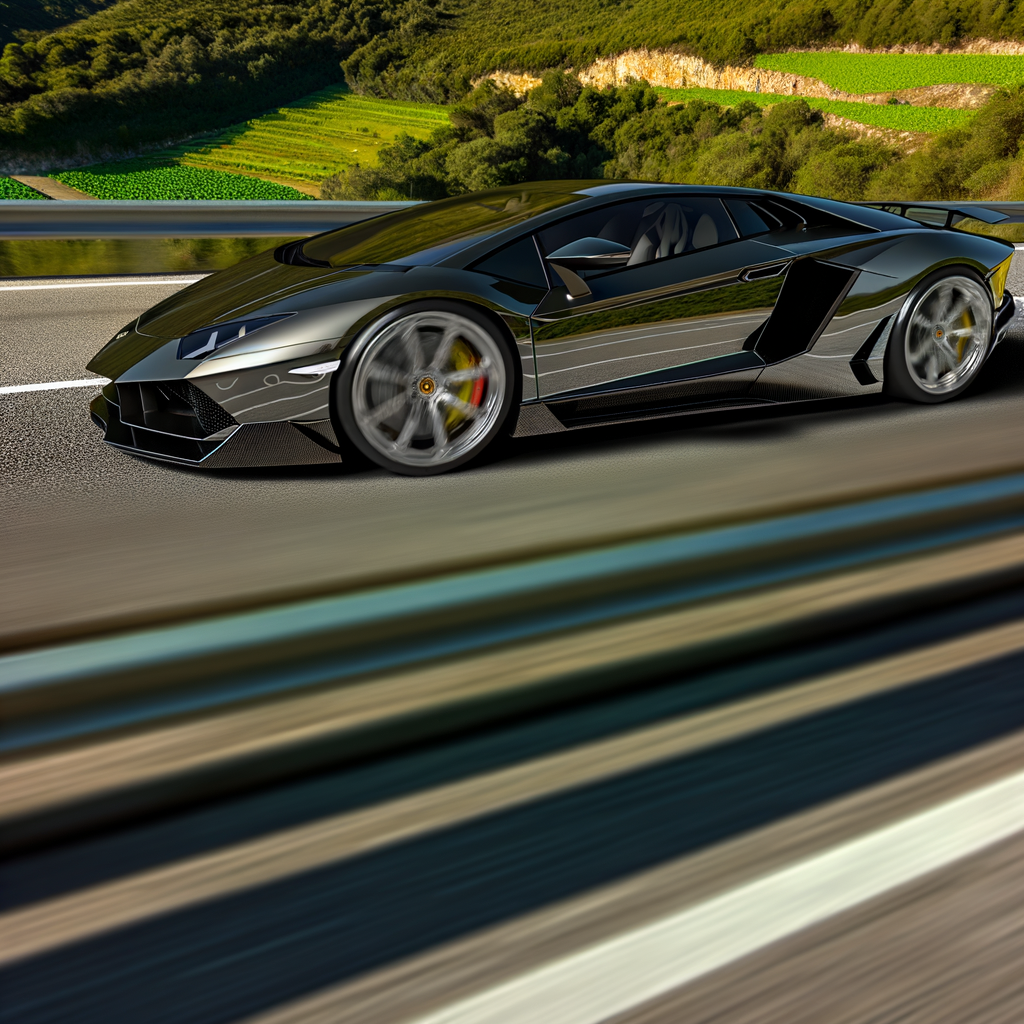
<point>997,282</point>
<point>210,339</point>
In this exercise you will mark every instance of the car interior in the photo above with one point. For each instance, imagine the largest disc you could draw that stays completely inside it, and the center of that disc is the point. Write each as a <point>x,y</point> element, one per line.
<point>646,231</point>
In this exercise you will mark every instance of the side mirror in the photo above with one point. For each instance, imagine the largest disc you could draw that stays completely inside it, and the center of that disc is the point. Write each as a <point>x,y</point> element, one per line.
<point>591,254</point>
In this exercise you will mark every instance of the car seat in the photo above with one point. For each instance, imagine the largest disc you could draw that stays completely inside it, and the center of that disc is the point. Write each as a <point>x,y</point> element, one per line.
<point>705,233</point>
<point>665,236</point>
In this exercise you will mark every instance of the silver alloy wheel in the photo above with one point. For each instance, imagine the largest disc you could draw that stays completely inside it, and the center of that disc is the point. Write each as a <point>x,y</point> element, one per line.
<point>428,388</point>
<point>948,334</point>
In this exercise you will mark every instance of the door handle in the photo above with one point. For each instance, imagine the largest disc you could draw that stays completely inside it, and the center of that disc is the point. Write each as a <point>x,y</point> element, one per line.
<point>761,273</point>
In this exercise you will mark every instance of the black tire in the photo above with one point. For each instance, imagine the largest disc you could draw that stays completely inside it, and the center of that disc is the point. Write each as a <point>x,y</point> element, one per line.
<point>438,369</point>
<point>931,356</point>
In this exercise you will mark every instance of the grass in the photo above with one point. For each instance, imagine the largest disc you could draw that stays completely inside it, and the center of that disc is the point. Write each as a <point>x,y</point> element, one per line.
<point>319,135</point>
<point>128,181</point>
<point>902,118</point>
<point>11,189</point>
<point>889,72</point>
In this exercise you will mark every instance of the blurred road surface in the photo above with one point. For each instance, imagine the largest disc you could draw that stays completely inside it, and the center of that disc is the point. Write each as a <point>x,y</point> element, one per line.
<point>393,890</point>
<point>94,539</point>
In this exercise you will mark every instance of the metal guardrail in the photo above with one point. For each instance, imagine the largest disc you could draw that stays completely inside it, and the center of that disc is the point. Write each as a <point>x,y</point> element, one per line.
<point>104,728</point>
<point>104,218</point>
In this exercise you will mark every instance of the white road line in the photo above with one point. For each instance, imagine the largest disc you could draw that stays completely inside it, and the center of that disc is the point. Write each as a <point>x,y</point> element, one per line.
<point>619,975</point>
<point>55,385</point>
<point>120,283</point>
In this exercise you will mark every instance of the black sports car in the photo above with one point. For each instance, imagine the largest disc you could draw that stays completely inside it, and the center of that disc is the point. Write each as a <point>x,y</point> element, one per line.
<point>417,338</point>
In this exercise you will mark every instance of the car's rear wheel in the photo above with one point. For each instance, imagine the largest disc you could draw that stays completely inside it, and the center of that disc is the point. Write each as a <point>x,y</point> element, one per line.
<point>941,338</point>
<point>426,390</point>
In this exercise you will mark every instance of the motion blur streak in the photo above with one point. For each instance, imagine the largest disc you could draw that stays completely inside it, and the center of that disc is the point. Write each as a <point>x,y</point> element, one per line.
<point>534,672</point>
<point>48,925</point>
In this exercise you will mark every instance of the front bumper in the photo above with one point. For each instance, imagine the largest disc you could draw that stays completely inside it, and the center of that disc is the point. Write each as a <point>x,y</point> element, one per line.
<point>174,421</point>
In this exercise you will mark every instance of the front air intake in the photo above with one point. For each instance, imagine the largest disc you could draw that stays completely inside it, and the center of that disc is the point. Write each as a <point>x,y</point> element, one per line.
<point>177,408</point>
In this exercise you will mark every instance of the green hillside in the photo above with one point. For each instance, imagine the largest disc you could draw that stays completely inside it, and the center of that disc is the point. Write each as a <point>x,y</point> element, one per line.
<point>480,35</point>
<point>146,72</point>
<point>562,130</point>
<point>20,16</point>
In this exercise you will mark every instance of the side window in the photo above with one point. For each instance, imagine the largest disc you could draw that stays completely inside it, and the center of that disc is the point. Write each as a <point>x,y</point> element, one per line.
<point>750,219</point>
<point>517,262</point>
<point>761,215</point>
<point>647,229</point>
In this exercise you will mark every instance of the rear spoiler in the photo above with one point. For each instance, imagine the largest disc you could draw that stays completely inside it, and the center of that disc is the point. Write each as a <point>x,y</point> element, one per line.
<point>945,215</point>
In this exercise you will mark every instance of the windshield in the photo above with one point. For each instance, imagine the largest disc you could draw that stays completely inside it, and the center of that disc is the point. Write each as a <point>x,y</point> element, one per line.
<point>428,233</point>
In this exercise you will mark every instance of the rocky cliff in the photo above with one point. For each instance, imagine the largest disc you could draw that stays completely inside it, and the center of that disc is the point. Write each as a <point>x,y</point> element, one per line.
<point>677,71</point>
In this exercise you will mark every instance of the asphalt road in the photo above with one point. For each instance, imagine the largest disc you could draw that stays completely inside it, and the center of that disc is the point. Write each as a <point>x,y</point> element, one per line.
<point>94,539</point>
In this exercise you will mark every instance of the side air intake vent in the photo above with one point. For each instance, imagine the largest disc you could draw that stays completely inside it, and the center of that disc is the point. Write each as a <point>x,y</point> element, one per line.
<point>809,299</point>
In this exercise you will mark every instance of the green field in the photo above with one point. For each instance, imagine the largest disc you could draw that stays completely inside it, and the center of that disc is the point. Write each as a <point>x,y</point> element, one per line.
<point>314,137</point>
<point>889,72</point>
<point>902,118</point>
<point>11,189</point>
<point>127,180</point>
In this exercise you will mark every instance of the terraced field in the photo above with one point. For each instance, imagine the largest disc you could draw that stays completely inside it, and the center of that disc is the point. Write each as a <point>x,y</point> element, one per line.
<point>890,72</point>
<point>283,155</point>
<point>902,118</point>
<point>308,140</point>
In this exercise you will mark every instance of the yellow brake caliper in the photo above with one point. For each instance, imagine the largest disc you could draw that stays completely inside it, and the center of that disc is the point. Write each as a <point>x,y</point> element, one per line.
<point>961,343</point>
<point>462,358</point>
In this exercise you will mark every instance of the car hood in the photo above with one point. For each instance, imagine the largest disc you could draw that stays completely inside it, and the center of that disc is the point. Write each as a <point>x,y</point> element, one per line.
<point>258,283</point>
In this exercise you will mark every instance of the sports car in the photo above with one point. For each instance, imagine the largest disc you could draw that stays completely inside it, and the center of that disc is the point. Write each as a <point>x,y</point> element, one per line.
<point>419,338</point>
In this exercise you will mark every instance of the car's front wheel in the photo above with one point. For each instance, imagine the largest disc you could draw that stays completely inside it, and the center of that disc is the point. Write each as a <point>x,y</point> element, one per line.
<point>426,390</point>
<point>941,338</point>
